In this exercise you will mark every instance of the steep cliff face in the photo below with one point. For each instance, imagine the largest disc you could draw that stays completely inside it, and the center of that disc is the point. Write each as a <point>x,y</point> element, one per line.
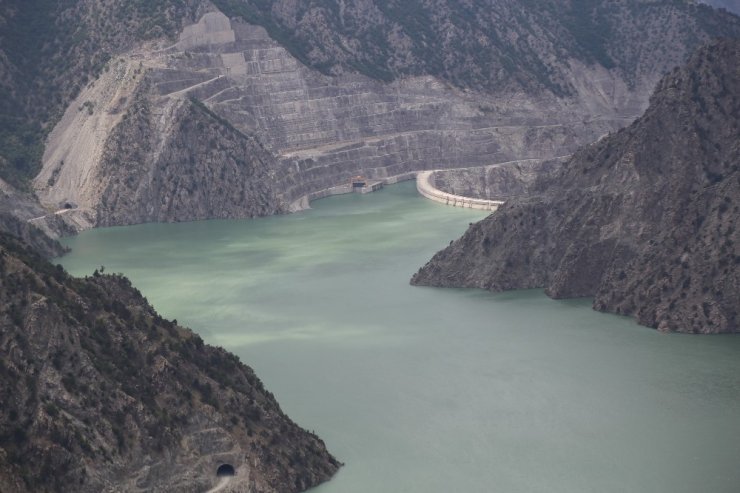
<point>101,394</point>
<point>130,149</point>
<point>645,220</point>
<point>199,168</point>
<point>50,50</point>
<point>730,5</point>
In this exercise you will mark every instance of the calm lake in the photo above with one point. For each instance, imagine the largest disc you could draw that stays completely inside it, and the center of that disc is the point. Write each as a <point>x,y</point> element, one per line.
<point>434,390</point>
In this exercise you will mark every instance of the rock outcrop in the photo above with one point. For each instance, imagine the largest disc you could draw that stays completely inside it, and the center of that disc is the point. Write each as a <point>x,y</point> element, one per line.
<point>100,393</point>
<point>645,220</point>
<point>282,129</point>
<point>18,212</point>
<point>201,168</point>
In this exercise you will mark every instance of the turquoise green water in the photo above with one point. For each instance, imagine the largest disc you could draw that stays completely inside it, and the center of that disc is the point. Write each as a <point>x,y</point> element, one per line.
<point>431,390</point>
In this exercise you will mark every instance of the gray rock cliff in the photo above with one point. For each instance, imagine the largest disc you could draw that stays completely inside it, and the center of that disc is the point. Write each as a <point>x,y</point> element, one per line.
<point>203,168</point>
<point>645,220</point>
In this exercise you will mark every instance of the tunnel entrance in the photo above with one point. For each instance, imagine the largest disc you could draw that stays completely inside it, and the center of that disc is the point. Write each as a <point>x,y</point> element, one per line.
<point>225,470</point>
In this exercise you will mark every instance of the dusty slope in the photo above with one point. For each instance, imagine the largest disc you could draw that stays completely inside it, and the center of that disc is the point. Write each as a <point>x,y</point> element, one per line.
<point>646,220</point>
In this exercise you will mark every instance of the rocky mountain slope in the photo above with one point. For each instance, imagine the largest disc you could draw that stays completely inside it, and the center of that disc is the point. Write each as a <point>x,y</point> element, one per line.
<point>17,213</point>
<point>513,44</point>
<point>49,51</point>
<point>100,393</point>
<point>645,221</point>
<point>730,5</point>
<point>329,89</point>
<point>205,169</point>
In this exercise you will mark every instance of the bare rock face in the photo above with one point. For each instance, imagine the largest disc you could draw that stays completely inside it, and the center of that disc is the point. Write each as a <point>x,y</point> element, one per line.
<point>227,122</point>
<point>645,221</point>
<point>101,394</point>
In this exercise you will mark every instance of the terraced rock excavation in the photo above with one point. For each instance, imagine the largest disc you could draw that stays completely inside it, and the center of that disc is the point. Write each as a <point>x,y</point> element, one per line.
<point>226,123</point>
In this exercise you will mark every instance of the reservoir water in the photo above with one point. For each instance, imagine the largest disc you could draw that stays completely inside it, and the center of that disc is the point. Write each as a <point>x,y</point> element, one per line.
<point>433,390</point>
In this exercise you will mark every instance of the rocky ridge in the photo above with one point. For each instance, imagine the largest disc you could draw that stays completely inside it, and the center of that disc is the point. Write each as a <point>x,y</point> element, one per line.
<point>204,168</point>
<point>285,131</point>
<point>645,220</point>
<point>101,394</point>
<point>50,50</point>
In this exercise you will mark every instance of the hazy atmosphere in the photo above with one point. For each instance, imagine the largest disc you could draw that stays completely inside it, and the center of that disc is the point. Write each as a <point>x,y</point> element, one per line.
<point>350,246</point>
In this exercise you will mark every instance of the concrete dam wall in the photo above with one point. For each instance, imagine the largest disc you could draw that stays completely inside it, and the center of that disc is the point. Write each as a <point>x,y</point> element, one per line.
<point>425,186</point>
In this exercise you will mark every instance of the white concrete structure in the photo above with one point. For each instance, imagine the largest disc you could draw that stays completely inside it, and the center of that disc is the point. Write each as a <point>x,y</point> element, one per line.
<point>425,186</point>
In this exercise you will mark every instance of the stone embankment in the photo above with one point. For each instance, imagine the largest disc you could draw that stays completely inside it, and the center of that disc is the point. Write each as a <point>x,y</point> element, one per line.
<point>425,186</point>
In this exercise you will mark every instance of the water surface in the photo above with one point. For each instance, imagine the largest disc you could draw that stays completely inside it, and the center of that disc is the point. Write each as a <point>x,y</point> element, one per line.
<point>432,390</point>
